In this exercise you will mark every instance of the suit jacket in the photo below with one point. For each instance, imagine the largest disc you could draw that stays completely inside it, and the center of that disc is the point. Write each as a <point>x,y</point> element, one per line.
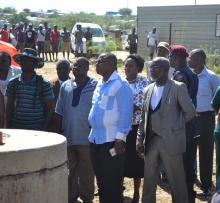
<point>169,121</point>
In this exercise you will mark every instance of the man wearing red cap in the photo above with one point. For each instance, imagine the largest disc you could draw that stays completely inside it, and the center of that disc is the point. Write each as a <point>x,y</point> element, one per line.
<point>178,56</point>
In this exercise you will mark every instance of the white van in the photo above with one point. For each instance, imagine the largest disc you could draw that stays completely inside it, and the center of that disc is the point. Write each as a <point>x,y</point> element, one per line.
<point>98,38</point>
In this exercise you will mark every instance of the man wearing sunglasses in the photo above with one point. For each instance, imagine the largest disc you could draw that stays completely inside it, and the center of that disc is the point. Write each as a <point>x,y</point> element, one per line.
<point>110,119</point>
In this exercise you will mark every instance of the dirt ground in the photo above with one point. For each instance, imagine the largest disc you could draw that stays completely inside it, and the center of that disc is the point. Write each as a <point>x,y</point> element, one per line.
<point>163,192</point>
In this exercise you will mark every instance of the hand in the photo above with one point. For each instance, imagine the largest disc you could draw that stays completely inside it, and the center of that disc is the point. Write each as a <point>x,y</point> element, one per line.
<point>136,108</point>
<point>140,151</point>
<point>119,147</point>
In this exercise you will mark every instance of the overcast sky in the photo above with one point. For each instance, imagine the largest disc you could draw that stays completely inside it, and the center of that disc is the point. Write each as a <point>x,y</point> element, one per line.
<point>95,6</point>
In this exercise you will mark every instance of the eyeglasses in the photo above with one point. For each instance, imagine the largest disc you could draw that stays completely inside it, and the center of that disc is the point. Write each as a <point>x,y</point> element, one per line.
<point>154,67</point>
<point>98,63</point>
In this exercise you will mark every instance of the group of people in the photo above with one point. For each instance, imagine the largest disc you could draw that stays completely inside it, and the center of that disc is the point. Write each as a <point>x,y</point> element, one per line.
<point>48,42</point>
<point>152,39</point>
<point>116,127</point>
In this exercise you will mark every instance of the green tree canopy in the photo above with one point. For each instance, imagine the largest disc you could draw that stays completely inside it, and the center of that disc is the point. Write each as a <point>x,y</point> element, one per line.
<point>17,18</point>
<point>10,10</point>
<point>125,11</point>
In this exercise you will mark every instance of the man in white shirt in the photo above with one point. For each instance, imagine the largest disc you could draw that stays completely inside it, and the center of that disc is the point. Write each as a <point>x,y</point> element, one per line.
<point>205,119</point>
<point>152,42</point>
<point>41,40</point>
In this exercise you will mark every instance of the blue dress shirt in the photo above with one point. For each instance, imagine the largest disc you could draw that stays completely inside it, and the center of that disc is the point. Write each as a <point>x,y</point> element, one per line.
<point>112,109</point>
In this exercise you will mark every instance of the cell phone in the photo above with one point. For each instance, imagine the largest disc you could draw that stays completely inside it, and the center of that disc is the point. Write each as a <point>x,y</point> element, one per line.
<point>112,151</point>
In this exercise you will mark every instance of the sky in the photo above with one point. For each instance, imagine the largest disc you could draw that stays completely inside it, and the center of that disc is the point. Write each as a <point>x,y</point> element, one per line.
<point>98,7</point>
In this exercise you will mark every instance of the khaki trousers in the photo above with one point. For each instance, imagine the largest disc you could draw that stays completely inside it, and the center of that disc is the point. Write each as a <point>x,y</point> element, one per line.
<point>155,155</point>
<point>81,175</point>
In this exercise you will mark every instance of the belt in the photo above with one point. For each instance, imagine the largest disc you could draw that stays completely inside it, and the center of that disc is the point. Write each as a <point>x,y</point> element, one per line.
<point>204,113</point>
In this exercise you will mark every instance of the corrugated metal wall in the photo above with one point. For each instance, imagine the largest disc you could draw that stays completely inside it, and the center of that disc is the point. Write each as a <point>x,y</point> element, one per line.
<point>192,26</point>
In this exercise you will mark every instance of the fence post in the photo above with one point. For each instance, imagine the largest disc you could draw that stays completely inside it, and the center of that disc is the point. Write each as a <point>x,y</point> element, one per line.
<point>170,34</point>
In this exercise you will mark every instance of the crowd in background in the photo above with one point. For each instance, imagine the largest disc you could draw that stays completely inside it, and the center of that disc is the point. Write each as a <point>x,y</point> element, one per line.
<point>137,127</point>
<point>47,41</point>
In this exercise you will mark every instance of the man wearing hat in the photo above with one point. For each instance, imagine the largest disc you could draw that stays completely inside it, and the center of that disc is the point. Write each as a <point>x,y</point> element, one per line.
<point>163,50</point>
<point>182,73</point>
<point>30,99</point>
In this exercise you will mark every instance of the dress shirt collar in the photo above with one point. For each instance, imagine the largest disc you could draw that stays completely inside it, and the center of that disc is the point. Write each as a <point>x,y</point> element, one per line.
<point>114,76</point>
<point>204,71</point>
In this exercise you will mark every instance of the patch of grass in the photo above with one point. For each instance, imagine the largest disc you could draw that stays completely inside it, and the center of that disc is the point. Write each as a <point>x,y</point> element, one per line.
<point>213,59</point>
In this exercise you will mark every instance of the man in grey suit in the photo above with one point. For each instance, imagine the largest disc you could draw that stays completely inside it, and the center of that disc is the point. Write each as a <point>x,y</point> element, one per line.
<point>161,134</point>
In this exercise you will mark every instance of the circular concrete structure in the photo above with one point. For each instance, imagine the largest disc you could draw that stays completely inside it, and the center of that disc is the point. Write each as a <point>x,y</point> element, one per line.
<point>33,167</point>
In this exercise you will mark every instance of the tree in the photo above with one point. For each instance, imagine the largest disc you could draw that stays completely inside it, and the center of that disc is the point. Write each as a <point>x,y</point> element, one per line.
<point>125,11</point>
<point>10,10</point>
<point>16,18</point>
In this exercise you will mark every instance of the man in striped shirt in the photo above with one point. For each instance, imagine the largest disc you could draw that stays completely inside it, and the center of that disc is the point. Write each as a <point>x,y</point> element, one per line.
<point>30,99</point>
<point>110,119</point>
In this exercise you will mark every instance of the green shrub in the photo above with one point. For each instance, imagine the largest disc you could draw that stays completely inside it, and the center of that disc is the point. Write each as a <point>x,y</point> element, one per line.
<point>110,44</point>
<point>213,59</point>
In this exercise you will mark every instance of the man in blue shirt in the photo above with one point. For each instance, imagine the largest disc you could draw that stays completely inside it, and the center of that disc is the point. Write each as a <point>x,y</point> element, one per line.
<point>205,120</point>
<point>110,119</point>
<point>72,109</point>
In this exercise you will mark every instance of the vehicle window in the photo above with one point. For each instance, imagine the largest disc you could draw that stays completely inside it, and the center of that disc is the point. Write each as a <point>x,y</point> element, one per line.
<point>96,32</point>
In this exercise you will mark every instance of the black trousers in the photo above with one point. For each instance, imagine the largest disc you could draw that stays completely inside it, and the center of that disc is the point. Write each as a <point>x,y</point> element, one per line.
<point>205,123</point>
<point>188,159</point>
<point>108,171</point>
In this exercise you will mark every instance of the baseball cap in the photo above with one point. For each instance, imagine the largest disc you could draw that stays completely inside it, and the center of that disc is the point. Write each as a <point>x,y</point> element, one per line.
<point>164,45</point>
<point>178,50</point>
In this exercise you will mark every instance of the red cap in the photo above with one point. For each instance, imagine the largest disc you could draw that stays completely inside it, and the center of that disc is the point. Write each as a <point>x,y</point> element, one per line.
<point>178,50</point>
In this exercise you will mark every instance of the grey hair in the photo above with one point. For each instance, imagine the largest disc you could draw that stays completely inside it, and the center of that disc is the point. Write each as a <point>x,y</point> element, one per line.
<point>161,62</point>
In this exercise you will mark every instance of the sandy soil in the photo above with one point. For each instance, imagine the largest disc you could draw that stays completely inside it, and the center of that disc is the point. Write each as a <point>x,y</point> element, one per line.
<point>163,192</point>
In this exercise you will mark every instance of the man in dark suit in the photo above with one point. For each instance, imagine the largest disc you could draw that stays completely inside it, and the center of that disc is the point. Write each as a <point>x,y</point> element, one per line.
<point>178,60</point>
<point>166,108</point>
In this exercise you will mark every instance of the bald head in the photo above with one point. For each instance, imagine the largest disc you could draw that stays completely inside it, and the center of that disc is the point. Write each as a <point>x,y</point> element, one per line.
<point>106,65</point>
<point>110,58</point>
<point>63,69</point>
<point>84,61</point>
<point>161,62</point>
<point>198,53</point>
